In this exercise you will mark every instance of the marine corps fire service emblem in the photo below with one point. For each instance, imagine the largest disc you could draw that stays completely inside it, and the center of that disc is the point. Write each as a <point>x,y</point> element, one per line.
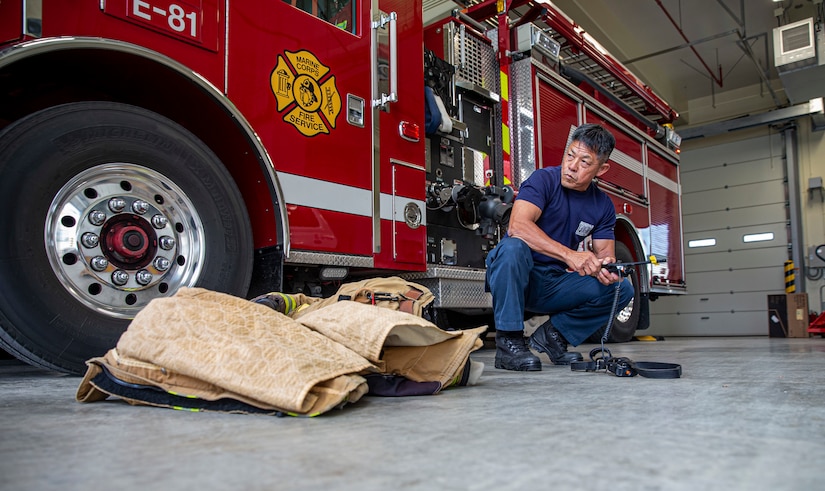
<point>306,92</point>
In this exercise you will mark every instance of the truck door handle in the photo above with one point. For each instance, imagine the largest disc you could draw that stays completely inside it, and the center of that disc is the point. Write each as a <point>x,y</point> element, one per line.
<point>390,19</point>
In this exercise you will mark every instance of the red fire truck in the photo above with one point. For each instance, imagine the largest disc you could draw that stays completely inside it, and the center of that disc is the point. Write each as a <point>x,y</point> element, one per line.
<point>252,146</point>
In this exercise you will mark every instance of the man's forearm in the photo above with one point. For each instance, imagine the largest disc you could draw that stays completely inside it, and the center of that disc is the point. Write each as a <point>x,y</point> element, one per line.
<point>540,242</point>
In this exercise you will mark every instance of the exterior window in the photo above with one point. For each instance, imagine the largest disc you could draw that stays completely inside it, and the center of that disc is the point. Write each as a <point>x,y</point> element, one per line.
<point>702,243</point>
<point>340,13</point>
<point>757,237</point>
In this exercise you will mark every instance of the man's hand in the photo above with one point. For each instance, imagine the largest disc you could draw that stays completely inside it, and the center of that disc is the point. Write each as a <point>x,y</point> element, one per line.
<point>604,276</point>
<point>587,264</point>
<point>584,262</point>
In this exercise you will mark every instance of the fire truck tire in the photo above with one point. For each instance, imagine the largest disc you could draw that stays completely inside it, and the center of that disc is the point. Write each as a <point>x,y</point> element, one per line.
<point>107,206</point>
<point>626,320</point>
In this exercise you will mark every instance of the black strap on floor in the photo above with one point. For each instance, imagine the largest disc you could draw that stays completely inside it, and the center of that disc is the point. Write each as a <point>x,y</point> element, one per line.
<point>625,367</point>
<point>602,360</point>
<point>655,369</point>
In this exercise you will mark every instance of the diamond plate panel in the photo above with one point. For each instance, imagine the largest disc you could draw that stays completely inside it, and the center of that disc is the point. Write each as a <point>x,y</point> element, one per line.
<point>303,257</point>
<point>447,272</point>
<point>522,121</point>
<point>496,161</point>
<point>454,288</point>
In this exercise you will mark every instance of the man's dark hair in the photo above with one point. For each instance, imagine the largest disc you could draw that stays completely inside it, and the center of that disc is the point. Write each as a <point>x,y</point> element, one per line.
<point>596,138</point>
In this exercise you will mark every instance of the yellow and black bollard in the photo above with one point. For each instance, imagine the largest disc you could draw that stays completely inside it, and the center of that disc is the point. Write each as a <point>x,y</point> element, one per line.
<point>790,287</point>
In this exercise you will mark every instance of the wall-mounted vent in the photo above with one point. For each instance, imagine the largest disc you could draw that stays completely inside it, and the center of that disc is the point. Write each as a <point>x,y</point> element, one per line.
<point>794,45</point>
<point>799,55</point>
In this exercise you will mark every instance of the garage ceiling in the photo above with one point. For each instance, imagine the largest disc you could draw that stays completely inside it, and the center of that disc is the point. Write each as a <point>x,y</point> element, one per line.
<point>687,50</point>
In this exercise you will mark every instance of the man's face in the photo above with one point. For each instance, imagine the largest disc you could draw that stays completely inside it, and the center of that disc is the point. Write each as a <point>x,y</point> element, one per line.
<point>580,166</point>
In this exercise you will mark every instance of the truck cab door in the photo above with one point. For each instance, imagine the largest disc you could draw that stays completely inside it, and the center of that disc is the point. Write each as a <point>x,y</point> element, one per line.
<point>301,70</point>
<point>399,149</point>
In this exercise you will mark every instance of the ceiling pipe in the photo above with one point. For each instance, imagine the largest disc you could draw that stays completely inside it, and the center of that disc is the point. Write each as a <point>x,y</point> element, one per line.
<point>681,46</point>
<point>727,9</point>
<point>745,46</point>
<point>682,33</point>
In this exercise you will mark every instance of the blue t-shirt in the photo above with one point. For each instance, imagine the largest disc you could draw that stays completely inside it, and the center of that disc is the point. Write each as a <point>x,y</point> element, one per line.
<point>567,216</point>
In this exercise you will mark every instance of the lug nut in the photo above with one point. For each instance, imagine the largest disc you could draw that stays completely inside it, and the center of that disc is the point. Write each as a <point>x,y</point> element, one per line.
<point>120,277</point>
<point>143,277</point>
<point>89,240</point>
<point>161,263</point>
<point>159,221</point>
<point>166,243</point>
<point>140,207</point>
<point>117,204</point>
<point>99,263</point>
<point>97,217</point>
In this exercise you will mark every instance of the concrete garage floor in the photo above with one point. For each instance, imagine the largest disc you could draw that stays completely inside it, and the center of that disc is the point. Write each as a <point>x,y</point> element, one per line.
<point>748,413</point>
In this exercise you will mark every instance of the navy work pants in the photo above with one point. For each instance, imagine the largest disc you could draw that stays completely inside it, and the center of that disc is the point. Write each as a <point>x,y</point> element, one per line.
<point>578,305</point>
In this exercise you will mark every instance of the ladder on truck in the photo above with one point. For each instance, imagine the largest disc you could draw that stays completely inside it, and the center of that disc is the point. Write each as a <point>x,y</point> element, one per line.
<point>580,52</point>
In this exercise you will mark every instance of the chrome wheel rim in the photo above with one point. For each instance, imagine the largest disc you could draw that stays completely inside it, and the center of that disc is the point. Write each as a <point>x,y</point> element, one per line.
<point>118,235</point>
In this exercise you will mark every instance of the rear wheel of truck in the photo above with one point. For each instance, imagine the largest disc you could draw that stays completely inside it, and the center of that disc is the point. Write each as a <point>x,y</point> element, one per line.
<point>627,317</point>
<point>106,207</point>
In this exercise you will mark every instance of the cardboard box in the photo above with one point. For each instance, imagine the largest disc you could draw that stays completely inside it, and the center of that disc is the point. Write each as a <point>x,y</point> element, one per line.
<point>788,315</point>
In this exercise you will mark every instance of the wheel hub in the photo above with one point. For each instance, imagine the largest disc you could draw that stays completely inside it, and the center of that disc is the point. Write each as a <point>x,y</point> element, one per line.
<point>120,235</point>
<point>128,241</point>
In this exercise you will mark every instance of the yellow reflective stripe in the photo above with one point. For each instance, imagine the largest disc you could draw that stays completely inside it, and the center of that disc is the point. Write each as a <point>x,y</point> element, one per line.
<point>505,87</point>
<point>290,302</point>
<point>189,409</point>
<point>505,118</point>
<point>181,395</point>
<point>297,415</point>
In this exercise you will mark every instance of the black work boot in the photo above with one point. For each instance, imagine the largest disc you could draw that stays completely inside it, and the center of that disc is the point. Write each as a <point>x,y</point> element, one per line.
<point>548,340</point>
<point>512,353</point>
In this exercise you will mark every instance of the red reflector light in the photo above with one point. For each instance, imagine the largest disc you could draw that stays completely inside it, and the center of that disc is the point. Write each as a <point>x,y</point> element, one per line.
<point>409,131</point>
